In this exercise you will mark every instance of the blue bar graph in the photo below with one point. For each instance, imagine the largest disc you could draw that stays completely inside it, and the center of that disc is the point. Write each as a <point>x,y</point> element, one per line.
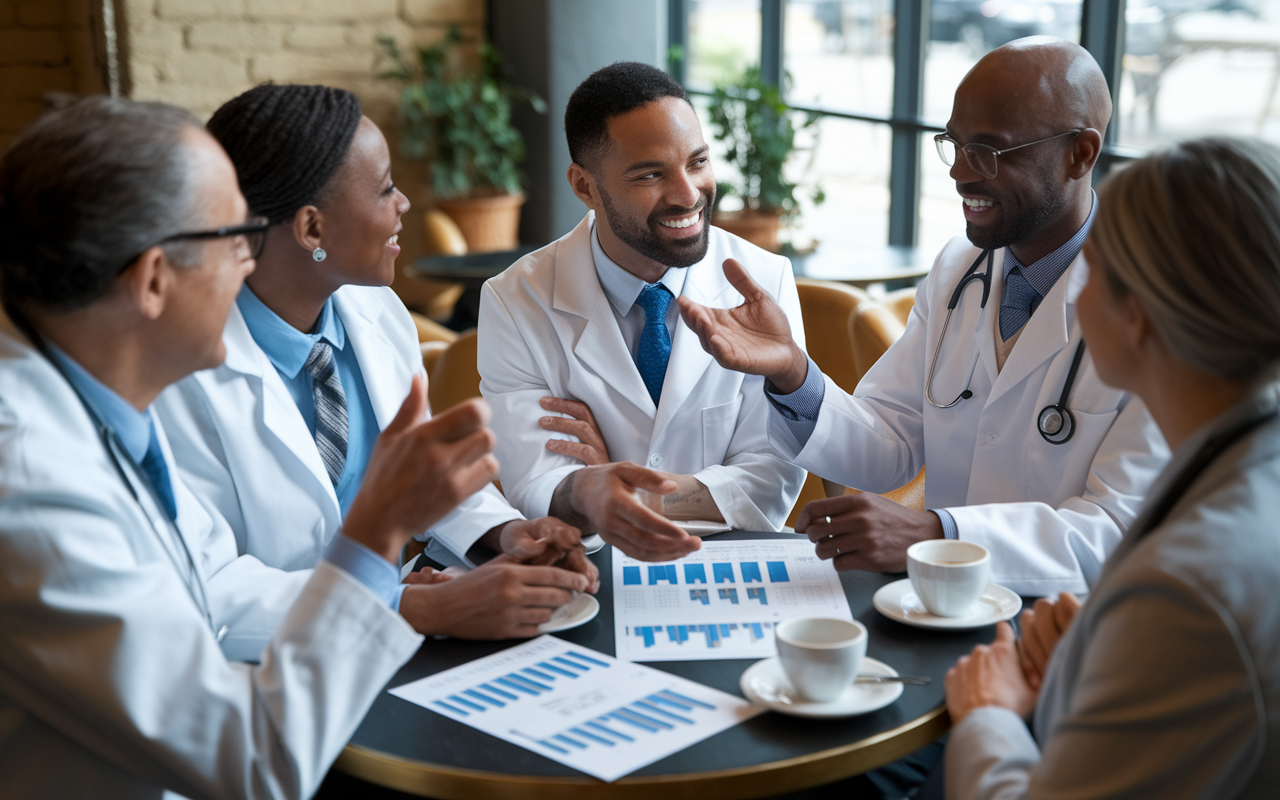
<point>723,573</point>
<point>778,571</point>
<point>694,573</point>
<point>653,715</point>
<point>631,576</point>
<point>729,594</point>
<point>513,687</point>
<point>662,572</point>
<point>713,635</point>
<point>700,595</point>
<point>757,593</point>
<point>751,572</point>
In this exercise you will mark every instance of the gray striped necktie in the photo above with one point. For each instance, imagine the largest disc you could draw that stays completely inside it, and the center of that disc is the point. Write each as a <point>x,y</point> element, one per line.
<point>331,409</point>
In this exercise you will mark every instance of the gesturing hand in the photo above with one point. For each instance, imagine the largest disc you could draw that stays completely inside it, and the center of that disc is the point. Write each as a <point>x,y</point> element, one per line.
<point>1042,627</point>
<point>420,471</point>
<point>866,531</point>
<point>548,542</point>
<point>603,499</point>
<point>754,337</point>
<point>590,448</point>
<point>989,676</point>
<point>498,600</point>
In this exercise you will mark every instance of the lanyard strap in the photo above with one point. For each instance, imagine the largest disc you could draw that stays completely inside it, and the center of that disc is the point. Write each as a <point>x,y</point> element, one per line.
<point>1209,452</point>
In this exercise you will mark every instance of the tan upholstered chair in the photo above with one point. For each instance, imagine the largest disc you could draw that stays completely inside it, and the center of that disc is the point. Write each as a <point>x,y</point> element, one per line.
<point>435,299</point>
<point>826,308</point>
<point>454,376</point>
<point>431,331</point>
<point>872,329</point>
<point>900,302</point>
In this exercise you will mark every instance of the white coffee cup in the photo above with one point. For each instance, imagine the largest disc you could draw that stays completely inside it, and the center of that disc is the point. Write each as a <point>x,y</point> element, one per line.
<point>820,655</point>
<point>948,574</point>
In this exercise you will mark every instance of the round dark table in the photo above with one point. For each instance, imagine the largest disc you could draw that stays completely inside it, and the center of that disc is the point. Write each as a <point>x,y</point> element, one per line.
<point>470,270</point>
<point>406,747</point>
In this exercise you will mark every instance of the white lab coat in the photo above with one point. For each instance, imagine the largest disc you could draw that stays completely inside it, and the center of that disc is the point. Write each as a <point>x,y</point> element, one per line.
<point>1049,514</point>
<point>111,681</point>
<point>547,328</point>
<point>242,445</point>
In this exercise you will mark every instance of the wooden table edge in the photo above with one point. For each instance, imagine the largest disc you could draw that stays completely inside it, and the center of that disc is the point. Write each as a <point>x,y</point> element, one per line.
<point>742,783</point>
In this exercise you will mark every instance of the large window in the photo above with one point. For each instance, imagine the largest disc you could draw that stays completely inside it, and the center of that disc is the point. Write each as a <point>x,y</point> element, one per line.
<point>883,77</point>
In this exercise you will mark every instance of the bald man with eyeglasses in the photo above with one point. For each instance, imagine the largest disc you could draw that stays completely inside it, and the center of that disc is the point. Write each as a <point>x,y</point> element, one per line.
<point>1028,453</point>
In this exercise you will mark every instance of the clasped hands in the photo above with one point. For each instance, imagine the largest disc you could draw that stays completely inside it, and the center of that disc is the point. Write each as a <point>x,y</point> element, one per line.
<point>1010,671</point>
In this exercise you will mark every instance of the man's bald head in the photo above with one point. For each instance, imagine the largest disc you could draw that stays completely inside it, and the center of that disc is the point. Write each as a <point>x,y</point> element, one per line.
<point>1042,105</point>
<point>1052,83</point>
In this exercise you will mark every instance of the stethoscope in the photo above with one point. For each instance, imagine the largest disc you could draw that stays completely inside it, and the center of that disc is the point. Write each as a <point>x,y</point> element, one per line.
<point>1055,422</point>
<point>116,451</point>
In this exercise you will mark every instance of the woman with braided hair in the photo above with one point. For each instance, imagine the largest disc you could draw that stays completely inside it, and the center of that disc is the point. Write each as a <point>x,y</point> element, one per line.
<point>320,355</point>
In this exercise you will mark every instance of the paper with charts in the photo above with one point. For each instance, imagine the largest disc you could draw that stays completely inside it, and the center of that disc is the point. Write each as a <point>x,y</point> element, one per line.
<point>579,707</point>
<point>720,602</point>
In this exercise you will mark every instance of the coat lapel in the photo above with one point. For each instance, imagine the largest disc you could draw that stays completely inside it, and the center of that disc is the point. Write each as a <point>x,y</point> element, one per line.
<point>280,415</point>
<point>383,376</point>
<point>600,346</point>
<point>1045,334</point>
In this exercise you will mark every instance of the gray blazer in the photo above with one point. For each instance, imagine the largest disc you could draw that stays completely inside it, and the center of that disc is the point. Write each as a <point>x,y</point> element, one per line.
<point>1167,684</point>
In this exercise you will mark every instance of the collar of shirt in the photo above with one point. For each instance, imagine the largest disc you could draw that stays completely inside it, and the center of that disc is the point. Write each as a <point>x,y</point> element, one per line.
<point>132,427</point>
<point>1043,274</point>
<point>286,346</point>
<point>621,287</point>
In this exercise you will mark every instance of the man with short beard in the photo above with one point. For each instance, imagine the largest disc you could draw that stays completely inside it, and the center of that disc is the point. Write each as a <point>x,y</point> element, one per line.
<point>598,388</point>
<point>1028,453</point>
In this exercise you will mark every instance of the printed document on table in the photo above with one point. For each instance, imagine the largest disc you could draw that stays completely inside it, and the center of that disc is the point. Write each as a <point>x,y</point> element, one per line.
<point>720,602</point>
<point>579,707</point>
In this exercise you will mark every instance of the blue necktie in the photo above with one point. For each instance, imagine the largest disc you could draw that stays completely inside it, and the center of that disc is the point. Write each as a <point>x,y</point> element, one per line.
<point>331,409</point>
<point>655,339</point>
<point>1017,304</point>
<point>157,473</point>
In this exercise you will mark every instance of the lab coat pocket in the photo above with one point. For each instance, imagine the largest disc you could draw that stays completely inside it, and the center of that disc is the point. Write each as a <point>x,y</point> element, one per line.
<point>1058,471</point>
<point>718,425</point>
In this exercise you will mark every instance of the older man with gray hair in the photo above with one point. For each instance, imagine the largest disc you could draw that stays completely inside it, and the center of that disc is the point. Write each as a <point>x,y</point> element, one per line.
<point>125,244</point>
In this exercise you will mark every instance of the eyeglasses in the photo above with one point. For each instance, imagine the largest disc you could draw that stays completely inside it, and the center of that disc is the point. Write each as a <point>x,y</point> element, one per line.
<point>251,238</point>
<point>980,157</point>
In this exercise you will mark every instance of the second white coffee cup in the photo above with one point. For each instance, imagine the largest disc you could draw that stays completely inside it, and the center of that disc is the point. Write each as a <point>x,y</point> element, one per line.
<point>820,655</point>
<point>948,574</point>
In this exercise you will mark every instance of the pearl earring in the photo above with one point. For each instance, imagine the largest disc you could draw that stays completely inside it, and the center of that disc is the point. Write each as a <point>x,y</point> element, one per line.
<point>319,254</point>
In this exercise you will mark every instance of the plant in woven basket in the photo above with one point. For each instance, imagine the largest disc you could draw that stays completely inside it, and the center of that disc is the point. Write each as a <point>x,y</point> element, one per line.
<point>759,133</point>
<point>459,118</point>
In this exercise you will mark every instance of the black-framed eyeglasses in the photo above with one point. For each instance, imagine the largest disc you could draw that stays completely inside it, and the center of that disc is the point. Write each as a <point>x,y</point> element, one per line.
<point>981,157</point>
<point>251,238</point>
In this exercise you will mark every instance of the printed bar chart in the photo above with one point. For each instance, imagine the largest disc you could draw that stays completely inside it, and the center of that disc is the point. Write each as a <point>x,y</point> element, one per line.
<point>604,717</point>
<point>669,612</point>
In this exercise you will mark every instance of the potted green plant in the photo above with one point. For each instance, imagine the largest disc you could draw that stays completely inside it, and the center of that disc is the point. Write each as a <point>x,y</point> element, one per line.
<point>458,118</point>
<point>758,130</point>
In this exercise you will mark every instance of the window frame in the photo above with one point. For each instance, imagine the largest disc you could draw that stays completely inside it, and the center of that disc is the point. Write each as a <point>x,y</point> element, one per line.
<point>1101,33</point>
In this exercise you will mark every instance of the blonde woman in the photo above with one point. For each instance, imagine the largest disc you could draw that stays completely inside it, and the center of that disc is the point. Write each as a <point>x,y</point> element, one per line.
<point>1167,682</point>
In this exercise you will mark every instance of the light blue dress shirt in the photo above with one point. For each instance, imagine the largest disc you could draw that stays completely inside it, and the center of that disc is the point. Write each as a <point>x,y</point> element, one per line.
<point>135,429</point>
<point>622,288</point>
<point>288,349</point>
<point>800,408</point>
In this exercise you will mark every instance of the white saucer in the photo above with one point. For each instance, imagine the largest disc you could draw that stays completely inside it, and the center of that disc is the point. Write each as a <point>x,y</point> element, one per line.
<point>699,527</point>
<point>578,611</point>
<point>898,601</point>
<point>764,683</point>
<point>593,543</point>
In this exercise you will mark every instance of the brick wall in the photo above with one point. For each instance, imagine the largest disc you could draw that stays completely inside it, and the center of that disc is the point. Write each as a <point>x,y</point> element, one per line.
<point>201,53</point>
<point>45,46</point>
